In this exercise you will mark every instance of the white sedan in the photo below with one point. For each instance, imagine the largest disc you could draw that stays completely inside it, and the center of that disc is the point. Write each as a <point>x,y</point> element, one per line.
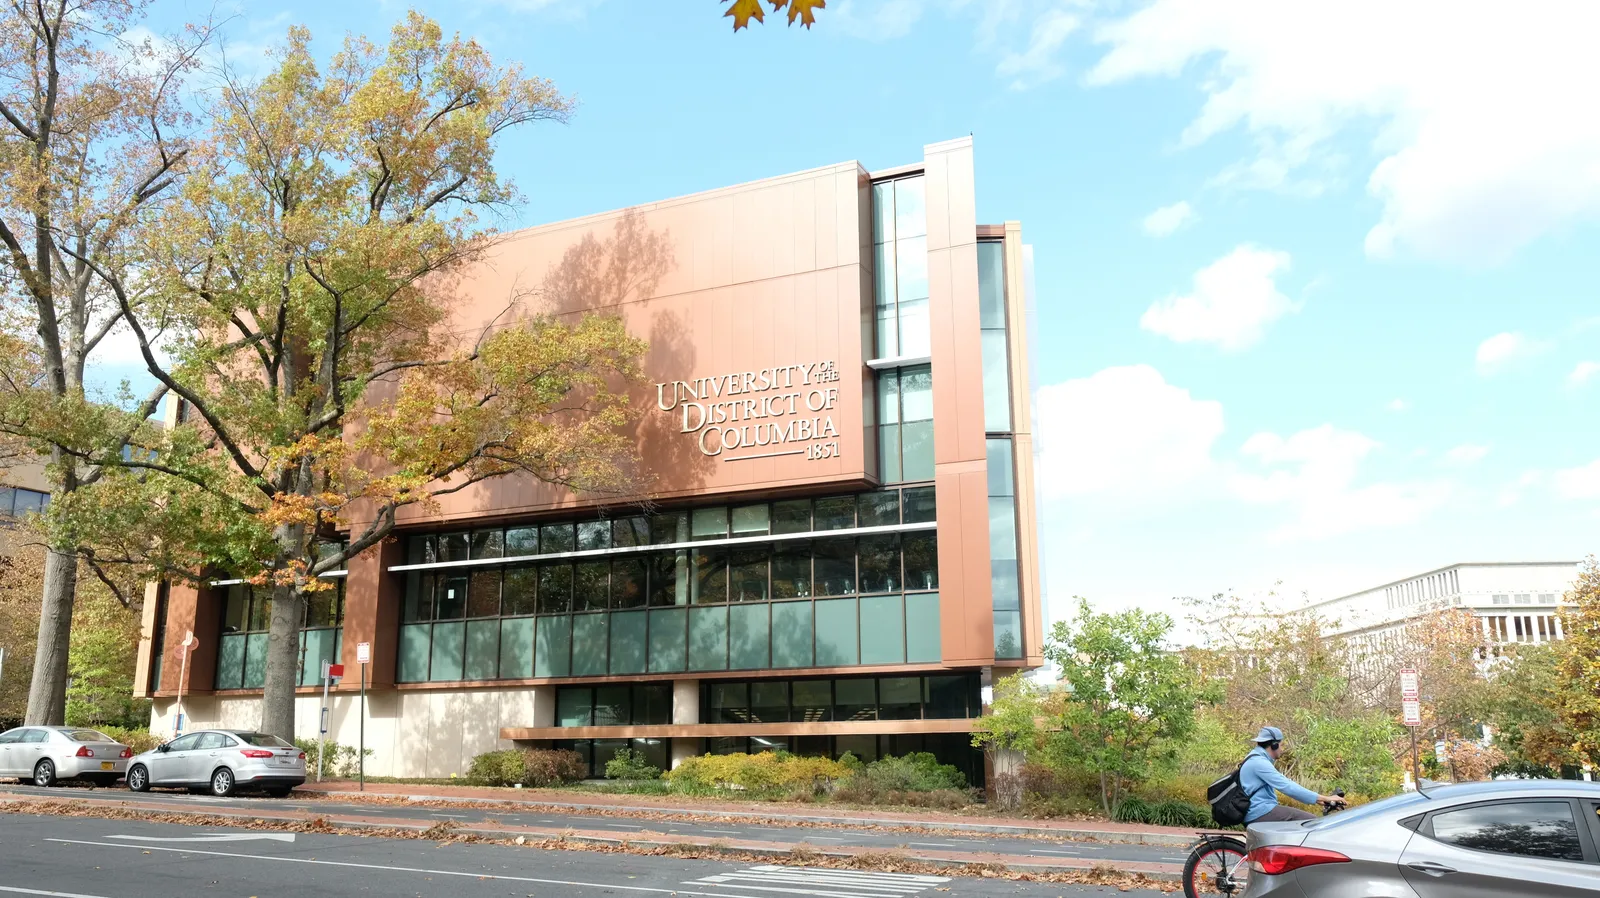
<point>44,755</point>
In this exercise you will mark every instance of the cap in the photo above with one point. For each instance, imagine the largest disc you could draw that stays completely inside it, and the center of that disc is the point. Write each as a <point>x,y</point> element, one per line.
<point>1269,734</point>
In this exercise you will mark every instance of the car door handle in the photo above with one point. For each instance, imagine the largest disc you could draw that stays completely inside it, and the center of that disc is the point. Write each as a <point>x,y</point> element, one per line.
<point>1430,868</point>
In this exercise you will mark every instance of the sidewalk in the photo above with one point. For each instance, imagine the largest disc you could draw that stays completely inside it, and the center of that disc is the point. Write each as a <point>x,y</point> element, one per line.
<point>622,805</point>
<point>73,802</point>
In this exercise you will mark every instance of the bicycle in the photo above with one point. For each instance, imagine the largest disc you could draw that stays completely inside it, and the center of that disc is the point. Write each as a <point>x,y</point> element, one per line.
<point>1217,865</point>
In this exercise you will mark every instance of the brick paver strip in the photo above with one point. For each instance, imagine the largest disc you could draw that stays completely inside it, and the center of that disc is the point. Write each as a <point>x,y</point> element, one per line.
<point>1100,831</point>
<point>1020,862</point>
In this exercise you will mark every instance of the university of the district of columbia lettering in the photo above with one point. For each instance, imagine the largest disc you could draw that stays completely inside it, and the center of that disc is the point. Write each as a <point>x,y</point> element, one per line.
<point>761,413</point>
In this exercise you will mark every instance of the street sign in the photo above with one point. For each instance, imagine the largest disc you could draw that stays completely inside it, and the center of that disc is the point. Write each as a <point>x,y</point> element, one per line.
<point>363,652</point>
<point>1408,684</point>
<point>1441,750</point>
<point>335,671</point>
<point>1411,711</point>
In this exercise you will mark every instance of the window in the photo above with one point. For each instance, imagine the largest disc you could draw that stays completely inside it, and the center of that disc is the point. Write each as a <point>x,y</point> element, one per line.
<point>184,743</point>
<point>905,424</point>
<point>246,618</point>
<point>1004,573</point>
<point>843,698</point>
<point>16,501</point>
<point>213,741</point>
<point>1547,598</point>
<point>900,261</point>
<point>1544,829</point>
<point>1524,599</point>
<point>992,320</point>
<point>1502,600</point>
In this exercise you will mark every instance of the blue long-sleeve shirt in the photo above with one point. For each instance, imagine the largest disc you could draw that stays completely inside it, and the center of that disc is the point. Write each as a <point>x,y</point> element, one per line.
<point>1262,782</point>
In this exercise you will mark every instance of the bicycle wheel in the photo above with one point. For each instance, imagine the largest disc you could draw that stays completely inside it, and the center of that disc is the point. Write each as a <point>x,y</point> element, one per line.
<point>1217,868</point>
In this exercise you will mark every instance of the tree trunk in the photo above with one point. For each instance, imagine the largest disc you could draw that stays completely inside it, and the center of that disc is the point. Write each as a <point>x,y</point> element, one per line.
<point>47,692</point>
<point>1105,800</point>
<point>283,662</point>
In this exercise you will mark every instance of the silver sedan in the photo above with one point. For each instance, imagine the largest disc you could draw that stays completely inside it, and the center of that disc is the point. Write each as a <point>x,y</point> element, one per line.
<point>221,760</point>
<point>44,755</point>
<point>1530,838</point>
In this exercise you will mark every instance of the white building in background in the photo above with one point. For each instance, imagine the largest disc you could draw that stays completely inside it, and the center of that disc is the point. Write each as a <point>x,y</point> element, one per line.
<point>1514,601</point>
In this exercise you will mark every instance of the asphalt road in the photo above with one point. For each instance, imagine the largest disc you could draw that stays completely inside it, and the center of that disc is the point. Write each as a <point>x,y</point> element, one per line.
<point>73,857</point>
<point>817,836</point>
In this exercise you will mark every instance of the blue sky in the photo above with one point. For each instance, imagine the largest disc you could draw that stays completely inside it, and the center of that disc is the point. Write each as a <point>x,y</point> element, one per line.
<point>1315,284</point>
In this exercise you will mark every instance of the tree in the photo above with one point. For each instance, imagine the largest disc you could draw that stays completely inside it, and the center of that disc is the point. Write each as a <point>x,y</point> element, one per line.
<point>1130,696</point>
<point>1527,722</point>
<point>1020,719</point>
<point>92,140</point>
<point>743,11</point>
<point>1577,682</point>
<point>309,266</point>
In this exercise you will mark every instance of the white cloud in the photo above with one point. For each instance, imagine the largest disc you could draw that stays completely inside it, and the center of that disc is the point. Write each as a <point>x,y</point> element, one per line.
<point>1582,482</point>
<point>1475,145</point>
<point>1234,300</point>
<point>1039,63</point>
<point>1168,219</point>
<point>1502,349</point>
<point>1122,432</point>
<point>1398,404</point>
<point>1466,454</point>
<point>1314,473</point>
<point>879,20</point>
<point>1581,374</point>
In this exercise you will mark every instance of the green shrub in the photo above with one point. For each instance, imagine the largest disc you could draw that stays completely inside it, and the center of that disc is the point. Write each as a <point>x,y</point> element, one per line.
<point>338,761</point>
<point>498,768</point>
<point>918,771</point>
<point>551,767</point>
<point>764,773</point>
<point>139,740</point>
<point>1162,813</point>
<point>631,765</point>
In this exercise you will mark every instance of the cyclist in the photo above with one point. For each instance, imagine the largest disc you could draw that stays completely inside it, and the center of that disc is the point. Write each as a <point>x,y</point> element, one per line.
<point>1261,780</point>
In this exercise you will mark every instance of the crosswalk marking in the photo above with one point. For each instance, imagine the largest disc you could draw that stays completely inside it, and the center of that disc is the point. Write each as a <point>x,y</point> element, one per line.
<point>821,882</point>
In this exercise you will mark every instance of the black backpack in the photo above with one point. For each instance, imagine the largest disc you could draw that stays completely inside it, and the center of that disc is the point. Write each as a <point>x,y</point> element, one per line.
<point>1230,803</point>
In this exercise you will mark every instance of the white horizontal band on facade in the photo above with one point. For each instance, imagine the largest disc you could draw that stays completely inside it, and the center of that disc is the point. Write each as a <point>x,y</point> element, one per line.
<point>899,361</point>
<point>667,547</point>
<point>241,582</point>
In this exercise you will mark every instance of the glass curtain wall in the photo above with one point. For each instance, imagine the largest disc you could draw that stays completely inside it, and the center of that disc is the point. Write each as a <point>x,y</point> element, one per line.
<point>246,618</point>
<point>814,600</point>
<point>900,260</point>
<point>905,424</point>
<point>1001,457</point>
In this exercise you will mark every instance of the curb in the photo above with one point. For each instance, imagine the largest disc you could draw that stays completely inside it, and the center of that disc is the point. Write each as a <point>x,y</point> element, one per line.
<point>1168,840</point>
<point>534,834</point>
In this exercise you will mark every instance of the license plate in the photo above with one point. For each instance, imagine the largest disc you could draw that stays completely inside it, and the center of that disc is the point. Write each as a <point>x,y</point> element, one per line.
<point>284,762</point>
<point>107,765</point>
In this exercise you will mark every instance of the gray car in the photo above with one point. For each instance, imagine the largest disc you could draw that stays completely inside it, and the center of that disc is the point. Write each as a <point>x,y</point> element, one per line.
<point>1533,838</point>
<point>44,755</point>
<point>223,761</point>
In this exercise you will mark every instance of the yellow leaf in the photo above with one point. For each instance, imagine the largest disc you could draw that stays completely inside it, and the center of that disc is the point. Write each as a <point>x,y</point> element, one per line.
<point>804,10</point>
<point>743,11</point>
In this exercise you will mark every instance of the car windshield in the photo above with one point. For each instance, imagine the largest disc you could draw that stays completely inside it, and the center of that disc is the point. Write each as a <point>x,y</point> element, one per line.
<point>1357,815</point>
<point>88,736</point>
<point>261,739</point>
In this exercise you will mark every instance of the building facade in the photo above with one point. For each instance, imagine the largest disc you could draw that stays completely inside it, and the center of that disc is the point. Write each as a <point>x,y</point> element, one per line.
<point>1513,602</point>
<point>24,490</point>
<point>836,548</point>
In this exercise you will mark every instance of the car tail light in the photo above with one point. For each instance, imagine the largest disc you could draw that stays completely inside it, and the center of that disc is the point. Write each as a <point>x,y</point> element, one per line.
<point>302,756</point>
<point>1276,860</point>
<point>85,751</point>
<point>255,753</point>
<point>126,753</point>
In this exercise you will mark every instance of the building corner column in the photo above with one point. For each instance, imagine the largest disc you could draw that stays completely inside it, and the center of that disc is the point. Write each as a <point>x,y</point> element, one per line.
<point>685,712</point>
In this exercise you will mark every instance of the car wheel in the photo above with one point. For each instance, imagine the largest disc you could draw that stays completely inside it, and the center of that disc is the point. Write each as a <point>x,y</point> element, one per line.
<point>222,782</point>
<point>44,773</point>
<point>138,778</point>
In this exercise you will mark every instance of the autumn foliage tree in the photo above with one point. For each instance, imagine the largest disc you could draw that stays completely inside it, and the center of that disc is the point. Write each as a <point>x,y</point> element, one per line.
<point>93,137</point>
<point>1577,681</point>
<point>802,11</point>
<point>308,266</point>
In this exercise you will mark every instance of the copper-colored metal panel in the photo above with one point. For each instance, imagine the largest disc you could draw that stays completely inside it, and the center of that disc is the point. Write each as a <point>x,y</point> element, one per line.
<point>966,593</point>
<point>198,611</point>
<point>712,730</point>
<point>1033,621</point>
<point>372,614</point>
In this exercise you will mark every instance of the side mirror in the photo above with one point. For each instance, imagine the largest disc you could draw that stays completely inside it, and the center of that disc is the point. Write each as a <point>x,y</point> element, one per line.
<point>163,746</point>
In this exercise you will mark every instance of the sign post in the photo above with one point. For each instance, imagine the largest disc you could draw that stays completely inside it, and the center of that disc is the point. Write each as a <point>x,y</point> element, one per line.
<point>1411,714</point>
<point>184,647</point>
<point>329,671</point>
<point>363,655</point>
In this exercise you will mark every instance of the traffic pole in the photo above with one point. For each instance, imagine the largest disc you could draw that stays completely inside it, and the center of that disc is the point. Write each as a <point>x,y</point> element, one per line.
<point>322,728</point>
<point>361,748</point>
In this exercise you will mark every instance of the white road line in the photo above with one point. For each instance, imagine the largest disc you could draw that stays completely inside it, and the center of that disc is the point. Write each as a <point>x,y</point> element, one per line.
<point>451,816</point>
<point>974,841</point>
<point>391,869</point>
<point>726,832</point>
<point>822,882</point>
<point>934,844</point>
<point>822,839</point>
<point>214,837</point>
<point>622,826</point>
<point>1047,851</point>
<point>50,894</point>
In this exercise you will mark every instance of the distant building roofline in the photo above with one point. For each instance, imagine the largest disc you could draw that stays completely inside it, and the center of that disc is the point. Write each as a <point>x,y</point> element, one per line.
<point>1448,567</point>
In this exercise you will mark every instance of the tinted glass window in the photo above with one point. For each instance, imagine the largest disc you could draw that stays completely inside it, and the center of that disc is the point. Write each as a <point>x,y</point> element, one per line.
<point>264,740</point>
<point>184,743</point>
<point>11,736</point>
<point>89,736</point>
<point>36,736</point>
<point>211,741</point>
<point>1529,828</point>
